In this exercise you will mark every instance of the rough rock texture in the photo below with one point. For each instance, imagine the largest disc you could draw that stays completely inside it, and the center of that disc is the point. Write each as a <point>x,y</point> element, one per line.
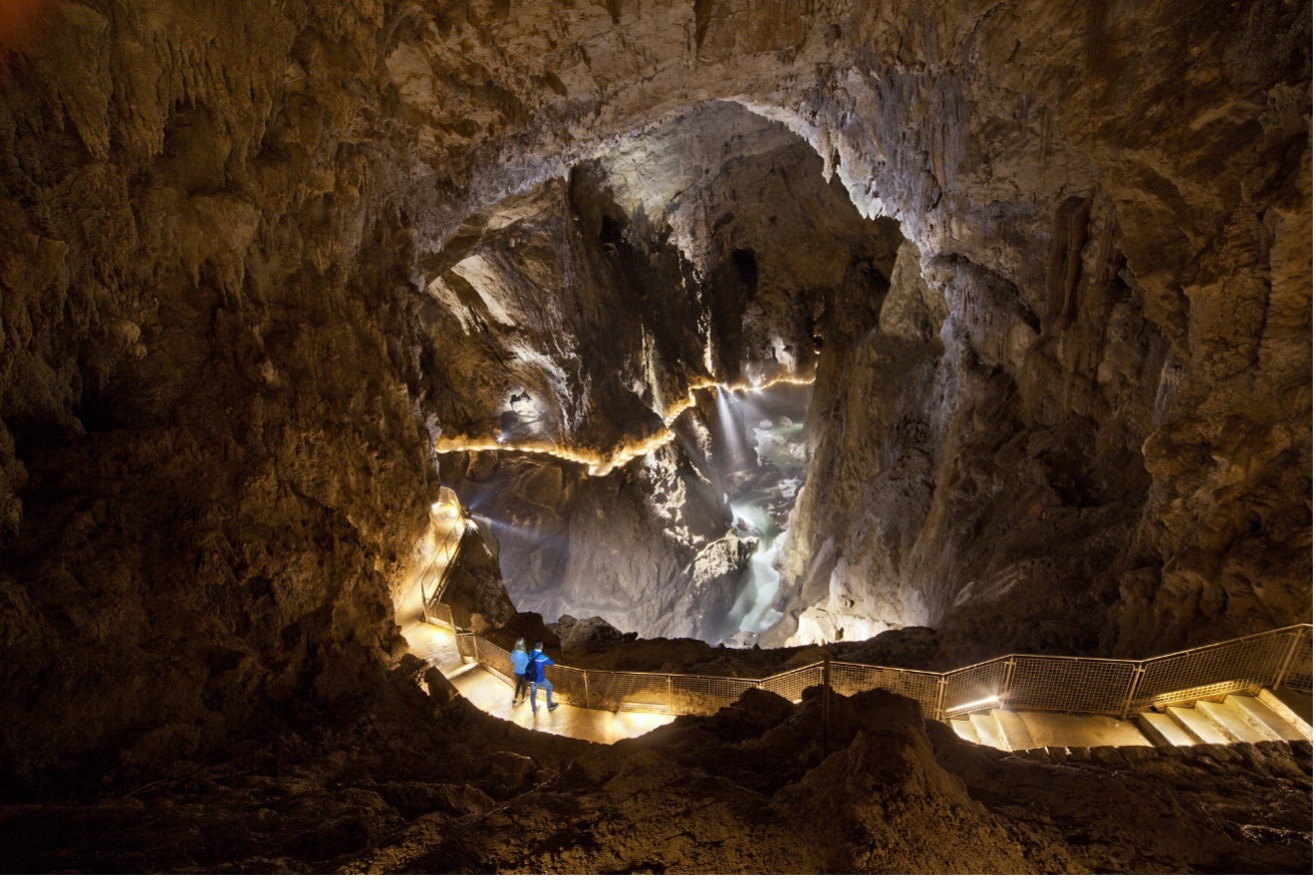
<point>474,586</point>
<point>591,632</point>
<point>708,247</point>
<point>648,547</point>
<point>212,457</point>
<point>224,360</point>
<point>406,783</point>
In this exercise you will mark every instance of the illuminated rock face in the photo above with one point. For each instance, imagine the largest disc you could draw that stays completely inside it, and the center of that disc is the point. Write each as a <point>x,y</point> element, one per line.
<point>225,358</point>
<point>709,248</point>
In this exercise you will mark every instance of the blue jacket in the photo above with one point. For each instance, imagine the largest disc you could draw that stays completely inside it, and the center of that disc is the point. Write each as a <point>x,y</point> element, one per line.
<point>542,660</point>
<point>519,660</point>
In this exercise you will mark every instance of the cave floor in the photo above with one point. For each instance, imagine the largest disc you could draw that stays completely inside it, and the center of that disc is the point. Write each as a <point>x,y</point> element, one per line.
<point>490,694</point>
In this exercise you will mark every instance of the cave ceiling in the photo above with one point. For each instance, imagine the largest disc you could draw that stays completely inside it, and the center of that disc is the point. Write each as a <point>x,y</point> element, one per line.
<point>252,274</point>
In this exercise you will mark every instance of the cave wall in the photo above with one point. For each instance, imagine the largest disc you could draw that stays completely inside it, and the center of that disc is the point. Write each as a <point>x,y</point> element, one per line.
<point>213,458</point>
<point>1124,182</point>
<point>706,247</point>
<point>218,390</point>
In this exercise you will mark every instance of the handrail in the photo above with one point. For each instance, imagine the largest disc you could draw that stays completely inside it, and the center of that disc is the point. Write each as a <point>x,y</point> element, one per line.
<point>452,541</point>
<point>1039,682</point>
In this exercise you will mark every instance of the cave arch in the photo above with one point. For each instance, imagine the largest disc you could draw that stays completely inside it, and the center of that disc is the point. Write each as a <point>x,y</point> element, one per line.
<point>734,250</point>
<point>219,238</point>
<point>976,154</point>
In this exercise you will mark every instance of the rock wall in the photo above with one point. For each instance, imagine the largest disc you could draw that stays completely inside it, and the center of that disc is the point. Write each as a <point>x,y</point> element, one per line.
<point>212,452</point>
<point>220,380</point>
<point>707,247</point>
<point>1049,469</point>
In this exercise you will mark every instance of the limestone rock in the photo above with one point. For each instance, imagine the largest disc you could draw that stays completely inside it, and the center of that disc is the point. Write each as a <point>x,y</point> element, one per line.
<point>251,274</point>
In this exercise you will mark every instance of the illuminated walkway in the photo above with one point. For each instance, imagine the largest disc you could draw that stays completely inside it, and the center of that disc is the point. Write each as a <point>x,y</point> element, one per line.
<point>1233,719</point>
<point>1278,714</point>
<point>486,691</point>
<point>1251,689</point>
<point>599,464</point>
<point>492,695</point>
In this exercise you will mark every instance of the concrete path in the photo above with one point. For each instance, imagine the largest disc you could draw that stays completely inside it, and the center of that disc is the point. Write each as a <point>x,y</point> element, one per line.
<point>1237,719</point>
<point>489,693</point>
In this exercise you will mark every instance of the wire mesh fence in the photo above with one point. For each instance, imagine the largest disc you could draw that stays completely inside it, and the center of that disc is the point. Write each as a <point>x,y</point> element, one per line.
<point>974,688</point>
<point>629,691</point>
<point>1298,673</point>
<point>440,615</point>
<point>495,659</point>
<point>1070,684</point>
<point>1022,682</point>
<point>792,684</point>
<point>568,685</point>
<point>705,694</point>
<point>849,679</point>
<point>1247,664</point>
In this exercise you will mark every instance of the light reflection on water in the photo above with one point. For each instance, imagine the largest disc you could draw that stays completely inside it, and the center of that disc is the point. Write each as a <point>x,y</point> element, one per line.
<point>776,427</point>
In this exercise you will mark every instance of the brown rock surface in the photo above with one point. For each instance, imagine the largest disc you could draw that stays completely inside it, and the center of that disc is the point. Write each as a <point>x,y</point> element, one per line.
<point>400,783</point>
<point>256,259</point>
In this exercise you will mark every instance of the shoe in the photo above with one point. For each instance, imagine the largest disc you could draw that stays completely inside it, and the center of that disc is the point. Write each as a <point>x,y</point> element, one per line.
<point>552,706</point>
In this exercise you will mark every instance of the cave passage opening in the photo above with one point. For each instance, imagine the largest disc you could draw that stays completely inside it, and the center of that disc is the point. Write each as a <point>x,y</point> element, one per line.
<point>637,344</point>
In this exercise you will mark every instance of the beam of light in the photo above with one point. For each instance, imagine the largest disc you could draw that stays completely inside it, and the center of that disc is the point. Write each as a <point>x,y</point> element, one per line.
<point>734,436</point>
<point>599,464</point>
<point>976,704</point>
<point>531,532</point>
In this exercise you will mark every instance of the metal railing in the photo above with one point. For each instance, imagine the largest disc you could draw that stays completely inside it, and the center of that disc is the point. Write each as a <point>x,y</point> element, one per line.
<point>1017,682</point>
<point>431,597</point>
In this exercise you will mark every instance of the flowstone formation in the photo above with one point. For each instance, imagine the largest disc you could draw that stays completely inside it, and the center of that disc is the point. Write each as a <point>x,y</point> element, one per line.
<point>259,261</point>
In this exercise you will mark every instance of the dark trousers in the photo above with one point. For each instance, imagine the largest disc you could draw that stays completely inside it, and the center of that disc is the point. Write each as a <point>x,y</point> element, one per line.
<point>522,686</point>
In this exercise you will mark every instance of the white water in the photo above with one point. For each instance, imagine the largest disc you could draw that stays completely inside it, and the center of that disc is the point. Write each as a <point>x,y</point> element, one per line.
<point>762,511</point>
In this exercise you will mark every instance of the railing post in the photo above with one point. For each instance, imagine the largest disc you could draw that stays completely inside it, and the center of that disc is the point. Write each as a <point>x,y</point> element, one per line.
<point>827,698</point>
<point>1004,696</point>
<point>1138,672</point>
<point>1288,658</point>
<point>670,708</point>
<point>584,674</point>
<point>940,714</point>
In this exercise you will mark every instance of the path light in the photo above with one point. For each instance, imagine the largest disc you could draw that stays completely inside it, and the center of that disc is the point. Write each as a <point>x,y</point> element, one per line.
<point>976,704</point>
<point>598,464</point>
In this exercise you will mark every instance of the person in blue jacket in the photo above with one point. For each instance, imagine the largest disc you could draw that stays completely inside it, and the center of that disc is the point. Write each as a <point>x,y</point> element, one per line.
<point>535,672</point>
<point>519,660</point>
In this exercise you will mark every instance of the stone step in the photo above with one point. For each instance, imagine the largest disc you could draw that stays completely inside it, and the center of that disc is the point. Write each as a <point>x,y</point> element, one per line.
<point>1162,730</point>
<point>1230,723</point>
<point>1196,725</point>
<point>1293,707</point>
<point>1013,731</point>
<point>1263,718</point>
<point>989,732</point>
<point>963,727</point>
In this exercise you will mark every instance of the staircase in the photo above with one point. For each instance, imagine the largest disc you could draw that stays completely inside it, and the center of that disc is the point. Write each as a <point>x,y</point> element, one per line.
<point>1274,715</point>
